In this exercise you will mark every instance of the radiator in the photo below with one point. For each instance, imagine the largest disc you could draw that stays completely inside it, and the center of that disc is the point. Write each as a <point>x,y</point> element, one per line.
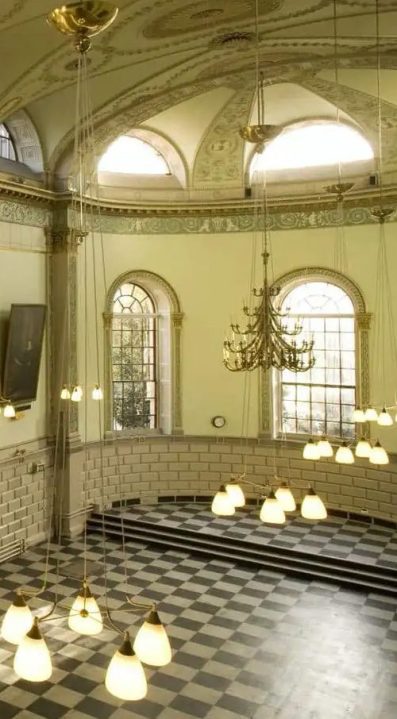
<point>12,549</point>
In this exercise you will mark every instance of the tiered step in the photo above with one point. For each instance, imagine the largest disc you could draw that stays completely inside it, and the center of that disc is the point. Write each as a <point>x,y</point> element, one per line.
<point>305,565</point>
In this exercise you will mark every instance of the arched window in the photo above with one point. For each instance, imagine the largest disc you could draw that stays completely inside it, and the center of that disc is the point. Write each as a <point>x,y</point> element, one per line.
<point>315,144</point>
<point>143,324</point>
<point>321,400</point>
<point>7,148</point>
<point>133,156</point>
<point>134,371</point>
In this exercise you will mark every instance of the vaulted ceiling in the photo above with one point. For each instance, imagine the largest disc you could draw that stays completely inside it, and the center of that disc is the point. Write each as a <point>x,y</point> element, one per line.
<point>187,70</point>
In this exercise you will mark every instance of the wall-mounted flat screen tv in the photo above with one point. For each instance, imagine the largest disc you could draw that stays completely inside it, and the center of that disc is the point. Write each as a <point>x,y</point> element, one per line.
<point>23,353</point>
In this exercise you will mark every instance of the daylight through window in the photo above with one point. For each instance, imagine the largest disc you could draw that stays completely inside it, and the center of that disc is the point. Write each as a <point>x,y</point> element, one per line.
<point>133,359</point>
<point>313,145</point>
<point>130,155</point>
<point>321,401</point>
<point>7,149</point>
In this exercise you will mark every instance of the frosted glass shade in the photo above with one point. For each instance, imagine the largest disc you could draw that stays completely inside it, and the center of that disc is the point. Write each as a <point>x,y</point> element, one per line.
<point>151,644</point>
<point>344,455</point>
<point>371,415</point>
<point>363,448</point>
<point>325,447</point>
<point>97,393</point>
<point>9,411</point>
<point>17,621</point>
<point>125,677</point>
<point>222,504</point>
<point>358,415</point>
<point>378,455</point>
<point>311,450</point>
<point>32,659</point>
<point>236,494</point>
<point>77,394</point>
<point>272,511</point>
<point>312,506</point>
<point>384,418</point>
<point>85,616</point>
<point>286,498</point>
<point>65,394</point>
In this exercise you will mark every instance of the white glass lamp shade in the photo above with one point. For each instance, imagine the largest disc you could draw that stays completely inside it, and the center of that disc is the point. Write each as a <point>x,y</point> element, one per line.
<point>77,394</point>
<point>97,393</point>
<point>384,418</point>
<point>85,616</point>
<point>371,415</point>
<point>222,504</point>
<point>236,494</point>
<point>312,506</point>
<point>358,415</point>
<point>17,621</point>
<point>272,511</point>
<point>325,447</point>
<point>151,644</point>
<point>125,677</point>
<point>65,393</point>
<point>32,659</point>
<point>9,411</point>
<point>311,450</point>
<point>344,455</point>
<point>286,498</point>
<point>378,455</point>
<point>363,448</point>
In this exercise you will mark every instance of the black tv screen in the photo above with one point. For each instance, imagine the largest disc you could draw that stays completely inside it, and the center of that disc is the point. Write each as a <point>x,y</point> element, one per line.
<point>23,353</point>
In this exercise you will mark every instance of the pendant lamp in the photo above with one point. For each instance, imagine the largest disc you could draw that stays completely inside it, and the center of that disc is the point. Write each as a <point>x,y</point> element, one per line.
<point>222,504</point>
<point>32,659</point>
<point>125,677</point>
<point>325,447</point>
<point>311,450</point>
<point>363,448</point>
<point>378,454</point>
<point>235,493</point>
<point>312,506</point>
<point>85,616</point>
<point>286,498</point>
<point>344,455</point>
<point>17,621</point>
<point>384,418</point>
<point>272,511</point>
<point>151,644</point>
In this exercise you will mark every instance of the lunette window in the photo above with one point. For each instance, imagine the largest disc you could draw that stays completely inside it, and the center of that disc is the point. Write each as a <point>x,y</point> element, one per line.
<point>317,144</point>
<point>133,354</point>
<point>132,156</point>
<point>321,401</point>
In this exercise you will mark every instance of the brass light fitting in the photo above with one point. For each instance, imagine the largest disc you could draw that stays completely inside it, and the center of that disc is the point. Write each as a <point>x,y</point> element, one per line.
<point>83,20</point>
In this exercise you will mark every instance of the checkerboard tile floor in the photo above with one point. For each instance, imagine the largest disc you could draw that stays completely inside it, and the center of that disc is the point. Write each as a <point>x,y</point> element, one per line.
<point>337,537</point>
<point>247,644</point>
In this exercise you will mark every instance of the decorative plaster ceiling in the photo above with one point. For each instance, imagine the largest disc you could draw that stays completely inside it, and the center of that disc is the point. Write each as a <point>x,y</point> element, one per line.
<point>161,55</point>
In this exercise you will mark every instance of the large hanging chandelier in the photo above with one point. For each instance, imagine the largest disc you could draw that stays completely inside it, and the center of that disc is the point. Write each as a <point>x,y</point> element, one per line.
<point>86,615</point>
<point>268,338</point>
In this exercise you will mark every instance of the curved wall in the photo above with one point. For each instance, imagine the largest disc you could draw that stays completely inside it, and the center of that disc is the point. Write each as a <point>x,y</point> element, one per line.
<point>149,469</point>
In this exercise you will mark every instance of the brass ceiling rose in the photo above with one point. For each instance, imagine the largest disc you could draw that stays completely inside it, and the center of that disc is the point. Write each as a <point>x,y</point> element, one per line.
<point>85,19</point>
<point>259,134</point>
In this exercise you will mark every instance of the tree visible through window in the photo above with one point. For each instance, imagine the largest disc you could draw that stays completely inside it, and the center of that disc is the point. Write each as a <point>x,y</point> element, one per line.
<point>321,401</point>
<point>133,359</point>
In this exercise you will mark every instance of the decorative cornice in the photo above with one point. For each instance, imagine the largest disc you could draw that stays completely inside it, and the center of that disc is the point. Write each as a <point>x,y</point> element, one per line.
<point>42,208</point>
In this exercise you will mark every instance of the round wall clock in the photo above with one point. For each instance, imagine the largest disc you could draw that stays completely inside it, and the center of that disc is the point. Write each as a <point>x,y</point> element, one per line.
<point>218,421</point>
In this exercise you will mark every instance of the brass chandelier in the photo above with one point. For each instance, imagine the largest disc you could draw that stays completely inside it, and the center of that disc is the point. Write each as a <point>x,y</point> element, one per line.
<point>268,339</point>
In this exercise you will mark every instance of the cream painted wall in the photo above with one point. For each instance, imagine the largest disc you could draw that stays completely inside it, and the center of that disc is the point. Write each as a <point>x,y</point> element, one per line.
<point>210,274</point>
<point>23,280</point>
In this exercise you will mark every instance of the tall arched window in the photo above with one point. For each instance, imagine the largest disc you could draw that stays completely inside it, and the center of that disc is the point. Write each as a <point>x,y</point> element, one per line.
<point>133,156</point>
<point>7,148</point>
<point>321,401</point>
<point>134,371</point>
<point>143,323</point>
